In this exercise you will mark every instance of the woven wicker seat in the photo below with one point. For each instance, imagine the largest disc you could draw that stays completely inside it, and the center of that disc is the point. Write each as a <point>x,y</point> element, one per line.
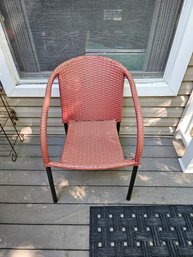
<point>91,93</point>
<point>92,145</point>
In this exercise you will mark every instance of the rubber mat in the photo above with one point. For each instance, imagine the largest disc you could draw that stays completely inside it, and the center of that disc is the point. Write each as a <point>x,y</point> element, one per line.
<point>136,231</point>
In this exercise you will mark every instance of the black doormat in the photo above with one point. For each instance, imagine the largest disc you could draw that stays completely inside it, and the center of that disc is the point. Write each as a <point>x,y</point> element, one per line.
<point>136,231</point>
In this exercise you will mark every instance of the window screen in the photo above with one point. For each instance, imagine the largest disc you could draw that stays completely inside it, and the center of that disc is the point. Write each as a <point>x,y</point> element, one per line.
<point>44,33</point>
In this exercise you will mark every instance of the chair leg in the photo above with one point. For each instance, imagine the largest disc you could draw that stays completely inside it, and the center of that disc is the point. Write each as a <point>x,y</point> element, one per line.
<point>132,181</point>
<point>51,182</point>
<point>118,126</point>
<point>66,127</point>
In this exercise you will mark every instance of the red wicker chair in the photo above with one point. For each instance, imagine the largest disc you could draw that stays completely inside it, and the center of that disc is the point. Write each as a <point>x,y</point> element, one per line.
<point>91,93</point>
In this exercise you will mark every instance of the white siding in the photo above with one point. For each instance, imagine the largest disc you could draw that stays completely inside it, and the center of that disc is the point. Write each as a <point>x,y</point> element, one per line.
<point>161,114</point>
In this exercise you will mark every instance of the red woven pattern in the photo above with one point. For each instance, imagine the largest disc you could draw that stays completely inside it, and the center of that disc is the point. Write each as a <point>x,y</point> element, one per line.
<point>91,89</point>
<point>86,85</point>
<point>92,146</point>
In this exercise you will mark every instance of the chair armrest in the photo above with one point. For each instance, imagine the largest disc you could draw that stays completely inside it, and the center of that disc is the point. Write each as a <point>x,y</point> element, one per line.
<point>43,120</point>
<point>139,118</point>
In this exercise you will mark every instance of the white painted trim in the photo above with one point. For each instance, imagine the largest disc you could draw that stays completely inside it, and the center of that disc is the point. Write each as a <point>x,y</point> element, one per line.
<point>185,138</point>
<point>182,49</point>
<point>185,123</point>
<point>145,89</point>
<point>8,73</point>
<point>183,132</point>
<point>178,60</point>
<point>186,162</point>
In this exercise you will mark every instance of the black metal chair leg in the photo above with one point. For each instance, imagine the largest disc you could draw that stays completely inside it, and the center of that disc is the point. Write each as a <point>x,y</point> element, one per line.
<point>132,182</point>
<point>66,127</point>
<point>118,126</point>
<point>51,182</point>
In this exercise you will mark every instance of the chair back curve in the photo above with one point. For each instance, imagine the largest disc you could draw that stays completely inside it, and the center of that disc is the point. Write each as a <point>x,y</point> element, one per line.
<point>91,88</point>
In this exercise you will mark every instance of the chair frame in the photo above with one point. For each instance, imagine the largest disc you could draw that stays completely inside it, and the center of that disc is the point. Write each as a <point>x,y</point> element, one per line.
<point>139,121</point>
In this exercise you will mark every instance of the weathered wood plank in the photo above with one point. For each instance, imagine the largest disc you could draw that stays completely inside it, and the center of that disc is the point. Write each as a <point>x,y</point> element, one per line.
<point>151,131</point>
<point>59,130</point>
<point>44,214</point>
<point>79,214</point>
<point>42,253</point>
<point>35,163</point>
<point>158,120</point>
<point>125,140</point>
<point>127,101</point>
<point>191,61</point>
<point>55,151</point>
<point>189,74</point>
<point>97,178</point>
<point>155,112</point>
<point>130,121</point>
<point>177,101</point>
<point>25,112</point>
<point>186,88</point>
<point>152,122</point>
<point>97,195</point>
<point>44,237</point>
<point>31,220</point>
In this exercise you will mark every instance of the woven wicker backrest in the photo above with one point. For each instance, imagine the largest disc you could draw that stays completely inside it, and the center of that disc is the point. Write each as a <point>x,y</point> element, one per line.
<point>91,88</point>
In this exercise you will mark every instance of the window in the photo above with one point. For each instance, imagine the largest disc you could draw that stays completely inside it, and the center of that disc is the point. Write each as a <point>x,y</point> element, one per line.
<point>139,33</point>
<point>43,34</point>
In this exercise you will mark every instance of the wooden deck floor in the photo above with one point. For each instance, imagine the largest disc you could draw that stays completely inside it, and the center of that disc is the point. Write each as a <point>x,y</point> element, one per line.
<point>32,226</point>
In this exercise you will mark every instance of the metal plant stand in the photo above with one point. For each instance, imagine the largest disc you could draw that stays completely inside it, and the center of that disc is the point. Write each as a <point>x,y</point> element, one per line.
<point>10,114</point>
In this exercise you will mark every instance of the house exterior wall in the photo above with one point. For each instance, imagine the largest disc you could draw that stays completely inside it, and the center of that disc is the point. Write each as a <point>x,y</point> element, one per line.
<point>161,114</point>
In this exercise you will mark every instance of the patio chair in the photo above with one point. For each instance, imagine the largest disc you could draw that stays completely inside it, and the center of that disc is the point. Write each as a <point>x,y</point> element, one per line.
<point>91,94</point>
